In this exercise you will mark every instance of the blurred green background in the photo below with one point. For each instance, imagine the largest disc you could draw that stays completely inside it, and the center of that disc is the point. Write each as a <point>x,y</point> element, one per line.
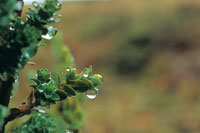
<point>149,55</point>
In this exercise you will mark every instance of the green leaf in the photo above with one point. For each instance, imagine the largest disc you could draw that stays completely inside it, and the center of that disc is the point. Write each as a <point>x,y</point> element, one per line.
<point>43,102</point>
<point>69,90</point>
<point>96,80</point>
<point>43,75</point>
<point>62,94</point>
<point>80,85</point>
<point>86,71</point>
<point>48,95</point>
<point>71,74</point>
<point>38,123</point>
<point>55,97</point>
<point>90,83</point>
<point>36,5</point>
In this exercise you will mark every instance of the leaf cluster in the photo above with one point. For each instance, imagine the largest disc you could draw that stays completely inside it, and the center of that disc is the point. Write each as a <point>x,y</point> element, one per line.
<point>78,83</point>
<point>38,123</point>
<point>21,40</point>
<point>47,91</point>
<point>45,88</point>
<point>7,12</point>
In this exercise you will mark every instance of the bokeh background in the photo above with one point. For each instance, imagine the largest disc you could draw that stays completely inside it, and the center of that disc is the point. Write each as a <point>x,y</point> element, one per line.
<point>149,55</point>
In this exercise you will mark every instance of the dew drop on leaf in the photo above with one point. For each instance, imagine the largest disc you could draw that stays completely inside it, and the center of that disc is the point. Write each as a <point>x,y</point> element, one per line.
<point>47,36</point>
<point>50,34</point>
<point>67,69</point>
<point>16,79</point>
<point>11,28</point>
<point>68,131</point>
<point>38,109</point>
<point>92,93</point>
<point>85,75</point>
<point>41,111</point>
<point>41,90</point>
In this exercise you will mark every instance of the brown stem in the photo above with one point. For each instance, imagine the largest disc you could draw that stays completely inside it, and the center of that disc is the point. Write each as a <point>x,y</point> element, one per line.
<point>18,112</point>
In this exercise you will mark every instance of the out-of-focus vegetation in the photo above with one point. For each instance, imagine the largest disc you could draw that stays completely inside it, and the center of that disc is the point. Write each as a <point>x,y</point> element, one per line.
<point>148,53</point>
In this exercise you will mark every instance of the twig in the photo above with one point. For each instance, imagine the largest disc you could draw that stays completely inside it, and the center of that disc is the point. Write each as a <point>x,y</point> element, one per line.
<point>19,112</point>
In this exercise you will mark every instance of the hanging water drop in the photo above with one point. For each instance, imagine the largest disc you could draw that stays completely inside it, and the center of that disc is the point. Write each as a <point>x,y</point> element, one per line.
<point>11,28</point>
<point>41,111</point>
<point>68,69</point>
<point>16,78</point>
<point>85,75</point>
<point>41,90</point>
<point>92,93</point>
<point>68,131</point>
<point>38,109</point>
<point>35,4</point>
<point>47,36</point>
<point>51,32</point>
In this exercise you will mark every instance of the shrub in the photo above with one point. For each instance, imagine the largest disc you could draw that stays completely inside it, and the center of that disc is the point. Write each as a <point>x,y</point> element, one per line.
<point>19,41</point>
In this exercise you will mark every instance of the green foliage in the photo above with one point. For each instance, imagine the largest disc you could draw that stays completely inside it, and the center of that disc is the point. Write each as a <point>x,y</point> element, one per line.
<point>47,91</point>
<point>45,88</point>
<point>39,123</point>
<point>21,41</point>
<point>7,13</point>
<point>3,113</point>
<point>84,81</point>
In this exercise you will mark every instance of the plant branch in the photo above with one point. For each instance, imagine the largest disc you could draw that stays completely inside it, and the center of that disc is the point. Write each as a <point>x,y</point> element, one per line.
<point>19,112</point>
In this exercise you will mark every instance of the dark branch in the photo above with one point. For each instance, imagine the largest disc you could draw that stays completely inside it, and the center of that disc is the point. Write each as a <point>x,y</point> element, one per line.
<point>19,112</point>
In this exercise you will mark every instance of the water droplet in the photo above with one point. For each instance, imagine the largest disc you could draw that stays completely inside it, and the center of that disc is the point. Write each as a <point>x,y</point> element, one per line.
<point>68,131</point>
<point>35,4</point>
<point>51,32</point>
<point>16,79</point>
<point>41,111</point>
<point>38,109</point>
<point>41,90</point>
<point>11,28</point>
<point>68,69</point>
<point>92,93</point>
<point>85,75</point>
<point>47,36</point>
